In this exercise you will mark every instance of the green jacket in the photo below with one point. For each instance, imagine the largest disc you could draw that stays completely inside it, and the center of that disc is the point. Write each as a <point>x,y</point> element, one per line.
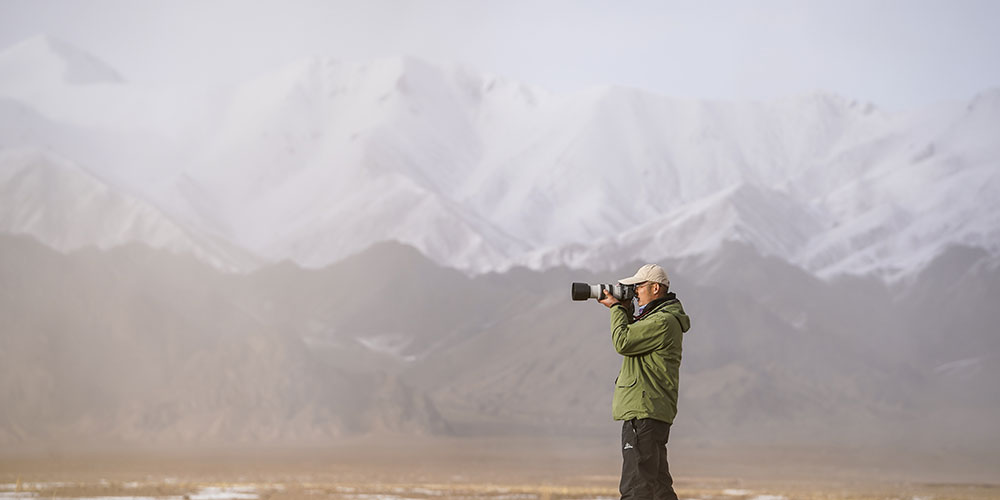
<point>651,345</point>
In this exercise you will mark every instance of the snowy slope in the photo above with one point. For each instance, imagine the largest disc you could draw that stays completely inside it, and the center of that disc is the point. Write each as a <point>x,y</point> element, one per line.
<point>612,158</point>
<point>323,158</point>
<point>66,207</point>
<point>72,125</point>
<point>840,187</point>
<point>527,169</point>
<point>928,181</point>
<point>768,219</point>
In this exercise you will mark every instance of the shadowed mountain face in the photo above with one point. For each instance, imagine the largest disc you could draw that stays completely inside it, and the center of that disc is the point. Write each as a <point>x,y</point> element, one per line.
<point>139,346</point>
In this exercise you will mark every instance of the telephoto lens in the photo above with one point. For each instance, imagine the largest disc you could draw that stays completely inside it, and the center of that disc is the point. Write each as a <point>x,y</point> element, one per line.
<point>581,291</point>
<point>584,291</point>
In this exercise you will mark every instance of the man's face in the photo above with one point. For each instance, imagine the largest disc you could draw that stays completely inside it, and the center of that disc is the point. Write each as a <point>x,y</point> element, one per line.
<point>644,292</point>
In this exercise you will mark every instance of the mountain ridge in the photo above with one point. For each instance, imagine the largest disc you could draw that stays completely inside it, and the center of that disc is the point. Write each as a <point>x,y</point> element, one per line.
<point>321,159</point>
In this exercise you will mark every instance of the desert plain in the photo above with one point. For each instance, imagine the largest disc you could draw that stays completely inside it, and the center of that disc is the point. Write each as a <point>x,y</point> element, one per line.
<point>514,468</point>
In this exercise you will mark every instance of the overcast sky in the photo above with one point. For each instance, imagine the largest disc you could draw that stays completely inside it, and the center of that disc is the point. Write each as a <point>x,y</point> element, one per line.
<point>897,54</point>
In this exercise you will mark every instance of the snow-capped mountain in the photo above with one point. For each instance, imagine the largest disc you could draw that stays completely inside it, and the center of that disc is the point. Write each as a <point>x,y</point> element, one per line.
<point>68,208</point>
<point>322,158</point>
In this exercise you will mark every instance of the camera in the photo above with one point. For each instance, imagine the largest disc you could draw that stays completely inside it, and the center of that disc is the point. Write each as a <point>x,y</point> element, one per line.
<point>584,291</point>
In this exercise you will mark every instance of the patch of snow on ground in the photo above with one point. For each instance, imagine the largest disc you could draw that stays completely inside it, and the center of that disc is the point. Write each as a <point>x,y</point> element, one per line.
<point>378,496</point>
<point>12,495</point>
<point>229,493</point>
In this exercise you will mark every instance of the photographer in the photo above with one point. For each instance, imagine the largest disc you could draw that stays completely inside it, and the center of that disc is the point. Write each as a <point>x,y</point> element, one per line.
<point>646,388</point>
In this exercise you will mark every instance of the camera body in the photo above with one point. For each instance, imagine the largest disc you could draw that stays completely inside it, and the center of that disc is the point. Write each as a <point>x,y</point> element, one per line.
<point>584,291</point>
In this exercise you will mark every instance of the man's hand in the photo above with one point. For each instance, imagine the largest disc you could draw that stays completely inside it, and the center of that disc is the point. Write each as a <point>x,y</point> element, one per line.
<point>609,300</point>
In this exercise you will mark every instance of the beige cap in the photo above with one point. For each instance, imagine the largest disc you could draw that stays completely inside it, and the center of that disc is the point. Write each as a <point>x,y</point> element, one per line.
<point>649,272</point>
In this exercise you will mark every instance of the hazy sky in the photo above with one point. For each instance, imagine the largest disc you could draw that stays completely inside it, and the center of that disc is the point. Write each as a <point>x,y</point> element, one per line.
<point>897,54</point>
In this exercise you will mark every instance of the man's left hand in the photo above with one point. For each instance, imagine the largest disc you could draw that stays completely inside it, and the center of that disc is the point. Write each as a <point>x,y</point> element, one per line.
<point>609,300</point>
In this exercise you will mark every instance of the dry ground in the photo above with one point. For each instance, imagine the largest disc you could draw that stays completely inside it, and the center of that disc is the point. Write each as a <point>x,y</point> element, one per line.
<point>500,469</point>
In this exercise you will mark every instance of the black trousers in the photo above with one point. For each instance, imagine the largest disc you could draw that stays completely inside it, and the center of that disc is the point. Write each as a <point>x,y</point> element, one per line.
<point>645,474</point>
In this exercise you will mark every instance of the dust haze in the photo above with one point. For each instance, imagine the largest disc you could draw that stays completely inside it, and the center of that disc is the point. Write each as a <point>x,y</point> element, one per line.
<point>386,357</point>
<point>263,252</point>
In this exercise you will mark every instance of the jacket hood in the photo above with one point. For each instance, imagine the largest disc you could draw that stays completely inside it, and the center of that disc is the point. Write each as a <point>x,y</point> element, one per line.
<point>672,305</point>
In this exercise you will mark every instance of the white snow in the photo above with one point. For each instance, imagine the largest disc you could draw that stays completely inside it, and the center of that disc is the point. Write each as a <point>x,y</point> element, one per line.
<point>67,208</point>
<point>393,344</point>
<point>959,366</point>
<point>320,159</point>
<point>206,493</point>
<point>225,493</point>
<point>11,495</point>
<point>746,493</point>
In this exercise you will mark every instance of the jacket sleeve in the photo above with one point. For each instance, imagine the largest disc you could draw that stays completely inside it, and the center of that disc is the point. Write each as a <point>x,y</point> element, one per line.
<point>642,337</point>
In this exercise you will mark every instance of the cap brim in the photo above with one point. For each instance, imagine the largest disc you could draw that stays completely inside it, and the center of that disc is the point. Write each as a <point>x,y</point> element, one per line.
<point>632,280</point>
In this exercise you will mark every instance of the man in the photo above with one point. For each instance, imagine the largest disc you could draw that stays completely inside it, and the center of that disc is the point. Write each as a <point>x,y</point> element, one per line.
<point>646,388</point>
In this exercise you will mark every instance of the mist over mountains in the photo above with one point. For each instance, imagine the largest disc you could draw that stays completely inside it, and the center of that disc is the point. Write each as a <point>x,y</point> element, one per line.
<point>343,248</point>
<point>322,158</point>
